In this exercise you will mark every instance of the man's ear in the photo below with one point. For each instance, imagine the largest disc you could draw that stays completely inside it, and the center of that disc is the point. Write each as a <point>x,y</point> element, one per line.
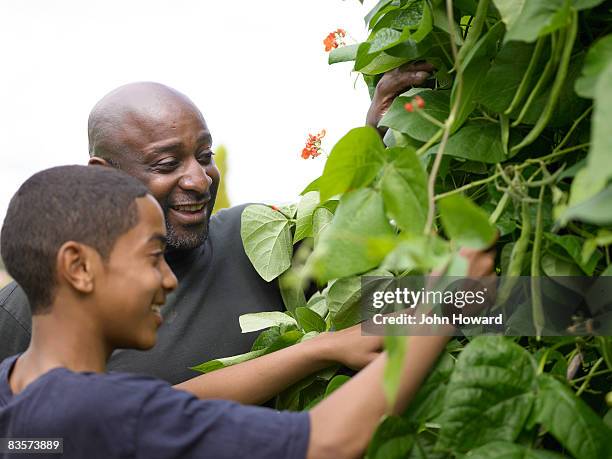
<point>75,265</point>
<point>97,161</point>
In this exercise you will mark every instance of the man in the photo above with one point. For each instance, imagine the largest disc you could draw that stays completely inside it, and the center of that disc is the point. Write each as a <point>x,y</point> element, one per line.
<point>95,277</point>
<point>158,135</point>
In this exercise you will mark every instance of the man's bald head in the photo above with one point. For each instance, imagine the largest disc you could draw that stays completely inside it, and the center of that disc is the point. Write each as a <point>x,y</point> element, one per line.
<point>157,135</point>
<point>128,108</point>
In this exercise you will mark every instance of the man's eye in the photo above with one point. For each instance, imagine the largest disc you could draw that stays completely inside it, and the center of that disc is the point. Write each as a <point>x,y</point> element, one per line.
<point>205,157</point>
<point>166,165</point>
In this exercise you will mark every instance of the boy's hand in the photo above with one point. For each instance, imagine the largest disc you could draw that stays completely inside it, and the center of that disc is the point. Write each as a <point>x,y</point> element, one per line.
<point>349,347</point>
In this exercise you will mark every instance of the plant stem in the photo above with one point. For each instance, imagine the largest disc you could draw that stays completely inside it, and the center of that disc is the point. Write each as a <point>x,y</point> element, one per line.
<point>552,155</point>
<point>589,376</point>
<point>429,118</point>
<point>598,373</point>
<point>536,294</point>
<point>574,126</point>
<point>468,186</point>
<point>427,145</point>
<point>448,124</point>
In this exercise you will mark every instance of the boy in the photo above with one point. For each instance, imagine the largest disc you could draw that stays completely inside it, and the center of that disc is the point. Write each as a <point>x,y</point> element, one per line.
<point>96,278</point>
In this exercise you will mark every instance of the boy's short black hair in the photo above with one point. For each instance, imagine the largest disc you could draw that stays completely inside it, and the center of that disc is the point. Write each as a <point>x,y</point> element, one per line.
<point>93,205</point>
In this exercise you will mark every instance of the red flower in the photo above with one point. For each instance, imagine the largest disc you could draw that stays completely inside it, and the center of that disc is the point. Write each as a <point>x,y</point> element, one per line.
<point>313,145</point>
<point>419,101</point>
<point>409,107</point>
<point>273,207</point>
<point>334,39</point>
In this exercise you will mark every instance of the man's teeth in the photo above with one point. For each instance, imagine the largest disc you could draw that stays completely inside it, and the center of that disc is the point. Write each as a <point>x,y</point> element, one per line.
<point>156,309</point>
<point>192,208</point>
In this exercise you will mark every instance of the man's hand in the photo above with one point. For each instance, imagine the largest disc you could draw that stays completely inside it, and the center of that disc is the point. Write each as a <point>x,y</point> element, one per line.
<point>391,85</point>
<point>349,347</point>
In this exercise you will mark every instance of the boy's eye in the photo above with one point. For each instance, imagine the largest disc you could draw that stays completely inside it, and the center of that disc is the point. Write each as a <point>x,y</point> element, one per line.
<point>157,257</point>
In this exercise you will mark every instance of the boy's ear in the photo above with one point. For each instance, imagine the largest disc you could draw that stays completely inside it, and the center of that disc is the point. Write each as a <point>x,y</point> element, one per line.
<point>97,161</point>
<point>75,264</point>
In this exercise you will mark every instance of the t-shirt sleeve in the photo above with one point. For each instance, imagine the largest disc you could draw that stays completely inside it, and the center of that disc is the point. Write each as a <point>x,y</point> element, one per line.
<point>15,321</point>
<point>174,424</point>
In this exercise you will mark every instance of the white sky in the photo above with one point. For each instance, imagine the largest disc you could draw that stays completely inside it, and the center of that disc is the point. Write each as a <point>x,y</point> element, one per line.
<point>256,69</point>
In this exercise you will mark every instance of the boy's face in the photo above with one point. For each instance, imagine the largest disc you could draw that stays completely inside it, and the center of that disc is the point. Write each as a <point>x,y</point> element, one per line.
<point>133,283</point>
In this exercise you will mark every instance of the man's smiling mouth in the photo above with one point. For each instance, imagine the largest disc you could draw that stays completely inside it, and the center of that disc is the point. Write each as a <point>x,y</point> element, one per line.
<point>189,207</point>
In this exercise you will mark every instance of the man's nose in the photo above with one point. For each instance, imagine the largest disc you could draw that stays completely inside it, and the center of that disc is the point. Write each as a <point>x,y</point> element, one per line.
<point>195,178</point>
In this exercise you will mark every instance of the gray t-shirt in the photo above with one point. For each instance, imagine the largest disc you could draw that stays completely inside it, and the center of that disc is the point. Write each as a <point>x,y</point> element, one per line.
<point>217,284</point>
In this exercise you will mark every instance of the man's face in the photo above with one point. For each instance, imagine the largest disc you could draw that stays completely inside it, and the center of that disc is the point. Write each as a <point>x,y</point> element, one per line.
<point>133,283</point>
<point>170,151</point>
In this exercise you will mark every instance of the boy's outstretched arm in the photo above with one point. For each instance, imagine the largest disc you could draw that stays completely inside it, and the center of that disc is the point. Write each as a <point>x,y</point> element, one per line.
<point>260,379</point>
<point>343,423</point>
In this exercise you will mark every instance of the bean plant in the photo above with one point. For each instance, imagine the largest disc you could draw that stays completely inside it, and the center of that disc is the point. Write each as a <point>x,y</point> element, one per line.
<point>509,144</point>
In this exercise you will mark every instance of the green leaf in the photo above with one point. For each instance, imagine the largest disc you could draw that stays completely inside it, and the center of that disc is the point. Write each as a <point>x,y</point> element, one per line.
<point>404,190</point>
<point>490,394</point>
<point>336,383</point>
<point>384,39</point>
<point>392,439</point>
<point>306,207</point>
<point>342,249</point>
<point>476,66</point>
<point>377,63</point>
<point>466,223</point>
<point>410,15</point>
<point>266,235</point>
<point>395,347</point>
<point>291,291</point>
<point>397,118</point>
<point>597,58</point>
<point>260,320</point>
<point>272,341</point>
<point>318,304</point>
<point>504,77</point>
<point>505,450</point>
<point>428,403</point>
<point>527,20</point>
<point>344,295</point>
<point>267,338</point>
<point>571,421</point>
<point>573,246</point>
<point>475,141</point>
<point>555,267</point>
<point>419,252</point>
<point>312,186</point>
<point>376,10</point>
<point>309,320</point>
<point>343,54</point>
<point>596,210</point>
<point>217,364</point>
<point>353,162</point>
<point>321,219</point>
<point>598,171</point>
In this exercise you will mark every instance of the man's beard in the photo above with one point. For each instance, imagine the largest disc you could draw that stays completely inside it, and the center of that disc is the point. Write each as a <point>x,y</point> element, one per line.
<point>189,238</point>
<point>186,241</point>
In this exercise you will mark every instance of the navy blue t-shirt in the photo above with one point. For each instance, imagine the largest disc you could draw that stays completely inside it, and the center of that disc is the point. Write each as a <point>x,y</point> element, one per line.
<point>120,415</point>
